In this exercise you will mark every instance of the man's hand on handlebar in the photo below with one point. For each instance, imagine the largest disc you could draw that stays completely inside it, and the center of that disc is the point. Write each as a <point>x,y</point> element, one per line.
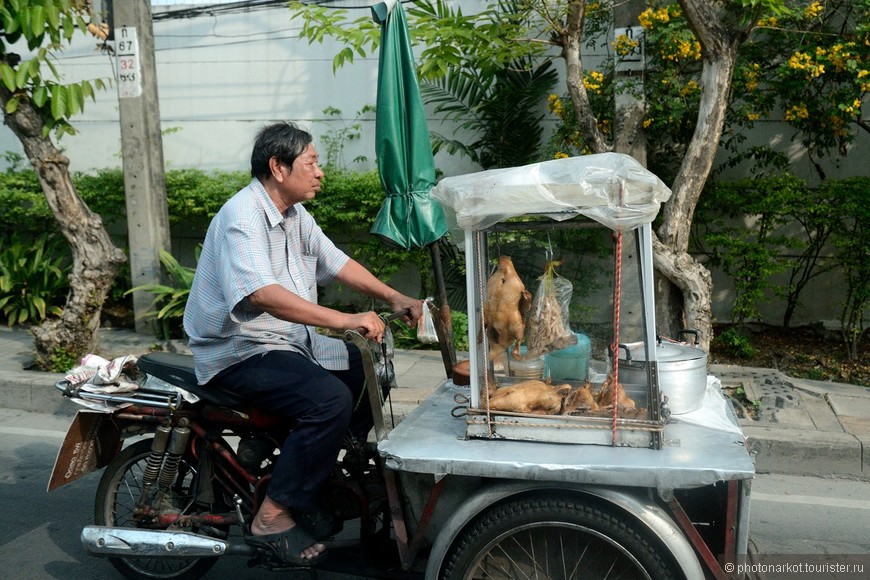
<point>369,325</point>
<point>410,309</point>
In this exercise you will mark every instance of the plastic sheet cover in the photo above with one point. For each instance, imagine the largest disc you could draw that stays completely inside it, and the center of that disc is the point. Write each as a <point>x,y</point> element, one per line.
<point>610,188</point>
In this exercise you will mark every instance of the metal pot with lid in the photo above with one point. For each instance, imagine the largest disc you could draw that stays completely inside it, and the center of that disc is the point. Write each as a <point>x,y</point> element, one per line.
<point>682,371</point>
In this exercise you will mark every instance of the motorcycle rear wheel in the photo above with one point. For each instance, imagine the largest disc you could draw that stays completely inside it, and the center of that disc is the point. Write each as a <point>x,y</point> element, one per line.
<point>117,494</point>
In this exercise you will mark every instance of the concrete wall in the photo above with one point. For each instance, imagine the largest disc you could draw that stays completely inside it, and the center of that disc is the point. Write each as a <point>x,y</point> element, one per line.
<point>220,78</point>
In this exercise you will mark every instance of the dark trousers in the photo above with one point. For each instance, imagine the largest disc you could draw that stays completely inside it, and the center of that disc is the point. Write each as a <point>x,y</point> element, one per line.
<point>324,406</point>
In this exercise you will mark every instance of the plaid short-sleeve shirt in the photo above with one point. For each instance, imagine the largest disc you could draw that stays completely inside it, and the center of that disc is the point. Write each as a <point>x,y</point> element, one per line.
<point>250,245</point>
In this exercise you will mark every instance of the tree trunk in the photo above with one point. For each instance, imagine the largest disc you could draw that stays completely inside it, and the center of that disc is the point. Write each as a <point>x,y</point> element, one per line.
<point>694,283</point>
<point>719,52</point>
<point>96,260</point>
<point>571,41</point>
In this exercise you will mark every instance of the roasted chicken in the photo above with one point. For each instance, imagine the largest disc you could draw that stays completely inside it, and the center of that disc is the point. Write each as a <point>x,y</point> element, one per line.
<point>604,397</point>
<point>580,399</point>
<point>507,301</point>
<point>531,396</point>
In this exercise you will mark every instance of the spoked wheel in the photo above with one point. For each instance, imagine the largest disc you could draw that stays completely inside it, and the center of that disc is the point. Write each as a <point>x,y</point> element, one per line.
<point>545,538</point>
<point>117,495</point>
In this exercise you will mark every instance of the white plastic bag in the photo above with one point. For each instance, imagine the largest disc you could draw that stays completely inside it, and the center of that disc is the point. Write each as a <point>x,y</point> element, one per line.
<point>426,325</point>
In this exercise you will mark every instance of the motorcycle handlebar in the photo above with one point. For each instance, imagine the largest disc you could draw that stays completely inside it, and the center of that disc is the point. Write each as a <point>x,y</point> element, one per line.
<point>395,315</point>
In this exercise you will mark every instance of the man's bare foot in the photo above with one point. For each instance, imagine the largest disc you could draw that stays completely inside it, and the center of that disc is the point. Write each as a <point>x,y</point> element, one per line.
<point>274,518</point>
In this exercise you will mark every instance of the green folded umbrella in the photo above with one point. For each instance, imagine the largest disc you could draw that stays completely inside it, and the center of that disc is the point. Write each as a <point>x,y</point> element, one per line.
<point>409,216</point>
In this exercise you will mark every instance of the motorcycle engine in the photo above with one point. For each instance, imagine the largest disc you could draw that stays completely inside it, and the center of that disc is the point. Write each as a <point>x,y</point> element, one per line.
<point>253,450</point>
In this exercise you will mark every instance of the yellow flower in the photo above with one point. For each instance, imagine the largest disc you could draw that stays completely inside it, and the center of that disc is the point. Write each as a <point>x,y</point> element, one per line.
<point>813,10</point>
<point>768,22</point>
<point>753,116</point>
<point>647,123</point>
<point>799,61</point>
<point>623,45</point>
<point>803,61</point>
<point>645,18</point>
<point>554,103</point>
<point>650,17</point>
<point>560,155</point>
<point>797,112</point>
<point>690,88</point>
<point>687,49</point>
<point>594,81</point>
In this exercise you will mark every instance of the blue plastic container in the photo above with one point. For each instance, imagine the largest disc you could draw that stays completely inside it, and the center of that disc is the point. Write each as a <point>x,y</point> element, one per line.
<point>572,363</point>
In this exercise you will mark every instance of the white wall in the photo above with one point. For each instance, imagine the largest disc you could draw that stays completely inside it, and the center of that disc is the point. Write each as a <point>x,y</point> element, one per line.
<point>220,78</point>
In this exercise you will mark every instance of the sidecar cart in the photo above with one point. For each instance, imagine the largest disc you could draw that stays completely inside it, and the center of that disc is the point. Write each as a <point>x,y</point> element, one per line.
<point>649,479</point>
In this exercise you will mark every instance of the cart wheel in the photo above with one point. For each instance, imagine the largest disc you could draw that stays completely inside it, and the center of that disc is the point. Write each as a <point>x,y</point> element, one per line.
<point>550,538</point>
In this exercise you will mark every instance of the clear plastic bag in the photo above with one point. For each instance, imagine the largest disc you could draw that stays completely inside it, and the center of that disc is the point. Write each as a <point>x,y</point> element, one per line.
<point>426,332</point>
<point>548,328</point>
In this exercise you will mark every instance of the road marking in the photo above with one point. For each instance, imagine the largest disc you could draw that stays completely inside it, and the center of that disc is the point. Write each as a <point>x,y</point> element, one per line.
<point>812,500</point>
<point>32,432</point>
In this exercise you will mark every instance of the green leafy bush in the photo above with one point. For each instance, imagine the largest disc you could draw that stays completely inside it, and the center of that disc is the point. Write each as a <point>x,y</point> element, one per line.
<point>23,207</point>
<point>752,254</point>
<point>734,344</point>
<point>196,196</point>
<point>405,337</point>
<point>851,237</point>
<point>33,279</point>
<point>192,196</point>
<point>346,208</point>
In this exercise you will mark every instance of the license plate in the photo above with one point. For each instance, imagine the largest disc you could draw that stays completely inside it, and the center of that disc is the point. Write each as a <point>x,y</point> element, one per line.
<point>91,441</point>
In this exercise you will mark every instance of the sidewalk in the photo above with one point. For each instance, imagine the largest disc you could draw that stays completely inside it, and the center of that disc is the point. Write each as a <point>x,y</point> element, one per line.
<point>801,427</point>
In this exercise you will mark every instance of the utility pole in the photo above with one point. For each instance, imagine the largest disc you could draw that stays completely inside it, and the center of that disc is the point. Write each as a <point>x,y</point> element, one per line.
<point>142,150</point>
<point>630,138</point>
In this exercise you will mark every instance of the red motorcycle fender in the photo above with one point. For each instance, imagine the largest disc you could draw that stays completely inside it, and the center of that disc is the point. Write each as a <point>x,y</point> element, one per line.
<point>92,440</point>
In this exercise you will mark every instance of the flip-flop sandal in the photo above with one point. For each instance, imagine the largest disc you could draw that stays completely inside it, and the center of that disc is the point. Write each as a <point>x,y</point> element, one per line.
<point>287,545</point>
<point>319,524</point>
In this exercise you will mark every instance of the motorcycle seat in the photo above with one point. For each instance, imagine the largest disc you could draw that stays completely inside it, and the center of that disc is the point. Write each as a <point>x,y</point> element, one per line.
<point>178,370</point>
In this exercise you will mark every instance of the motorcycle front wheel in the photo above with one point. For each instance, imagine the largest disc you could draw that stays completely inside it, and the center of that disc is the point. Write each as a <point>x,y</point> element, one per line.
<point>117,494</point>
<point>554,538</point>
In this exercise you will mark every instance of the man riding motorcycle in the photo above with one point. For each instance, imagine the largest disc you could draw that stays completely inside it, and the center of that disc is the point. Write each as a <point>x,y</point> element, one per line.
<point>252,316</point>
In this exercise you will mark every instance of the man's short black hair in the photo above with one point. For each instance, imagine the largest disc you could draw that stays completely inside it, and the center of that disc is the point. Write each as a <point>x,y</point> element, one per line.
<point>285,140</point>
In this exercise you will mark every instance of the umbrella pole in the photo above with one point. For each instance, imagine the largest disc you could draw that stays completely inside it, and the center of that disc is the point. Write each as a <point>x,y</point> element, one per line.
<point>444,320</point>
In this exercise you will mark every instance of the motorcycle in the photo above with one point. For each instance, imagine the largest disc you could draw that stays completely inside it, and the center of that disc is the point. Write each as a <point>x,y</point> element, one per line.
<point>184,489</point>
<point>183,480</point>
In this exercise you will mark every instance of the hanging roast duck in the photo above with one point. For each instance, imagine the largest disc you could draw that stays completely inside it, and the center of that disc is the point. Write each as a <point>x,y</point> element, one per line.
<point>507,301</point>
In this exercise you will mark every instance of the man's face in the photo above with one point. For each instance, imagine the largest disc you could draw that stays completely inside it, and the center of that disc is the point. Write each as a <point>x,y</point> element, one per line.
<point>303,181</point>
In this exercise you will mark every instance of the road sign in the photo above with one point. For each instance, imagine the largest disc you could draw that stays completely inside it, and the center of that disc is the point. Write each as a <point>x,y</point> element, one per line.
<point>129,72</point>
<point>633,59</point>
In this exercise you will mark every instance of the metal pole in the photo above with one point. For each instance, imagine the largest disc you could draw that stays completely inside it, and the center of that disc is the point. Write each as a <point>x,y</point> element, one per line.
<point>444,321</point>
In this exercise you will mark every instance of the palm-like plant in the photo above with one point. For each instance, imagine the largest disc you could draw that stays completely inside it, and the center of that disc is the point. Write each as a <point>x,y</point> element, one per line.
<point>171,300</point>
<point>33,279</point>
<point>502,112</point>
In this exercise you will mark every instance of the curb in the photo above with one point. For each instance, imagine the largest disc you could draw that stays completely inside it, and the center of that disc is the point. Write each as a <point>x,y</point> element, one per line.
<point>781,450</point>
<point>35,392</point>
<point>797,452</point>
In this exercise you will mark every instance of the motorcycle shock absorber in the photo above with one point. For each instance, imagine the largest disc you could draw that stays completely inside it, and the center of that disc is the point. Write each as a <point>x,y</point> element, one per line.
<point>155,461</point>
<point>177,445</point>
